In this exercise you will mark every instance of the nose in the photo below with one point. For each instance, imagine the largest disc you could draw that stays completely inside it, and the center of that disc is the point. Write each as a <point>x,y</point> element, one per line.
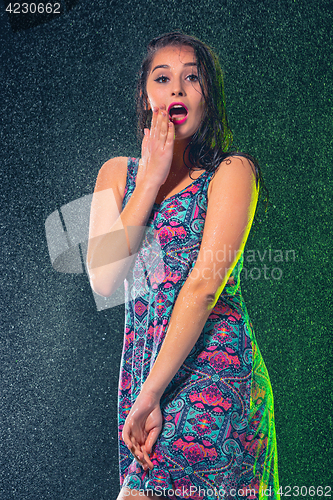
<point>178,89</point>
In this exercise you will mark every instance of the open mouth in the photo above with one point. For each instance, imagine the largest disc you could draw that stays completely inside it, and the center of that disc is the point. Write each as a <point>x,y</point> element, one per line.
<point>177,112</point>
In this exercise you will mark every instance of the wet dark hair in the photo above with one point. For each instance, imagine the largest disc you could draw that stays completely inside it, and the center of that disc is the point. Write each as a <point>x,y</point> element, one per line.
<point>211,143</point>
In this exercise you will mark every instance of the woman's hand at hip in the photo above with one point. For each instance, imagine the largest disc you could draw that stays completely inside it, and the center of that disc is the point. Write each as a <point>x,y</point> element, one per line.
<point>142,428</point>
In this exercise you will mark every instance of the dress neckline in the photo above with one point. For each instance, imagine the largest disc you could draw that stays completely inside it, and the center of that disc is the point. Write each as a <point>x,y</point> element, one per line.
<point>181,191</point>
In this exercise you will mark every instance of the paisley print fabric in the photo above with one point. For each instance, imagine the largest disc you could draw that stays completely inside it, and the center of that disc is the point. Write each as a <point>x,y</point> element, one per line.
<point>218,436</point>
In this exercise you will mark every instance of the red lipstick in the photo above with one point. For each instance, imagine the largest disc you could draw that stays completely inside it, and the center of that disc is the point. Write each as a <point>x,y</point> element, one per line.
<point>178,112</point>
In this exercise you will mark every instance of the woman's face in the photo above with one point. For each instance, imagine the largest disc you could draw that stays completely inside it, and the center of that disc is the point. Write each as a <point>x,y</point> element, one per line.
<point>173,82</point>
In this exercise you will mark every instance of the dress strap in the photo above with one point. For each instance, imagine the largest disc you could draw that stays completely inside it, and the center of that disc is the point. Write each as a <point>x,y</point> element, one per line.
<point>206,178</point>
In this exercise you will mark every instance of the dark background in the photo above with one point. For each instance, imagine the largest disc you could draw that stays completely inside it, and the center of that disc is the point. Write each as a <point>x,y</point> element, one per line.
<point>67,105</point>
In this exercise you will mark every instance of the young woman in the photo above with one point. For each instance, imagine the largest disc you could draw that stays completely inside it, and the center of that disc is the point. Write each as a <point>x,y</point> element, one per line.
<point>196,416</point>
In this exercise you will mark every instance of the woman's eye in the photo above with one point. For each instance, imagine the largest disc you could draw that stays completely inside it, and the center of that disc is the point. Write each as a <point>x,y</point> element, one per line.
<point>161,79</point>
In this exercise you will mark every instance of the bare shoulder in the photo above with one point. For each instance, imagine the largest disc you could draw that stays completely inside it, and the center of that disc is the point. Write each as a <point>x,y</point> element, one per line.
<point>232,171</point>
<point>237,165</point>
<point>113,174</point>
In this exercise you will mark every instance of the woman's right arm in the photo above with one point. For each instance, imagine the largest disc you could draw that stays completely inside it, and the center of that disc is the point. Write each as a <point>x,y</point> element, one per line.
<point>109,246</point>
<point>115,235</point>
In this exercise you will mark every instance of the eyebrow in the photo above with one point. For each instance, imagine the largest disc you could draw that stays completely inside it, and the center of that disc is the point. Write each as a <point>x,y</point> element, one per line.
<point>167,66</point>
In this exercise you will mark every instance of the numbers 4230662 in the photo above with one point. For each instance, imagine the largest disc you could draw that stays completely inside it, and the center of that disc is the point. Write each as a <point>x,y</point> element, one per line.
<point>33,8</point>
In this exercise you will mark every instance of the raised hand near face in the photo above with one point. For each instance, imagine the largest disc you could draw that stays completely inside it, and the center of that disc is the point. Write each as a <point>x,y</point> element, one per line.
<point>157,149</point>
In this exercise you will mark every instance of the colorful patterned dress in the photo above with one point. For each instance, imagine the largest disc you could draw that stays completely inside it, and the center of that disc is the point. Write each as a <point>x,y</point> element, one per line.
<point>218,436</point>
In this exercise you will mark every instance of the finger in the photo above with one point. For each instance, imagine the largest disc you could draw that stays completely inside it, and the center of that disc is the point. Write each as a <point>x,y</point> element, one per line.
<point>138,455</point>
<point>145,137</point>
<point>147,134</point>
<point>144,146</point>
<point>141,462</point>
<point>146,458</point>
<point>164,126</point>
<point>151,439</point>
<point>162,121</point>
<point>139,459</point>
<point>135,449</point>
<point>157,130</point>
<point>126,438</point>
<point>135,444</point>
<point>171,134</point>
<point>154,120</point>
<point>161,127</point>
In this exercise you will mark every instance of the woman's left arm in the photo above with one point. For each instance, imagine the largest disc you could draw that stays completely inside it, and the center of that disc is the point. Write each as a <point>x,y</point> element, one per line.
<point>230,212</point>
